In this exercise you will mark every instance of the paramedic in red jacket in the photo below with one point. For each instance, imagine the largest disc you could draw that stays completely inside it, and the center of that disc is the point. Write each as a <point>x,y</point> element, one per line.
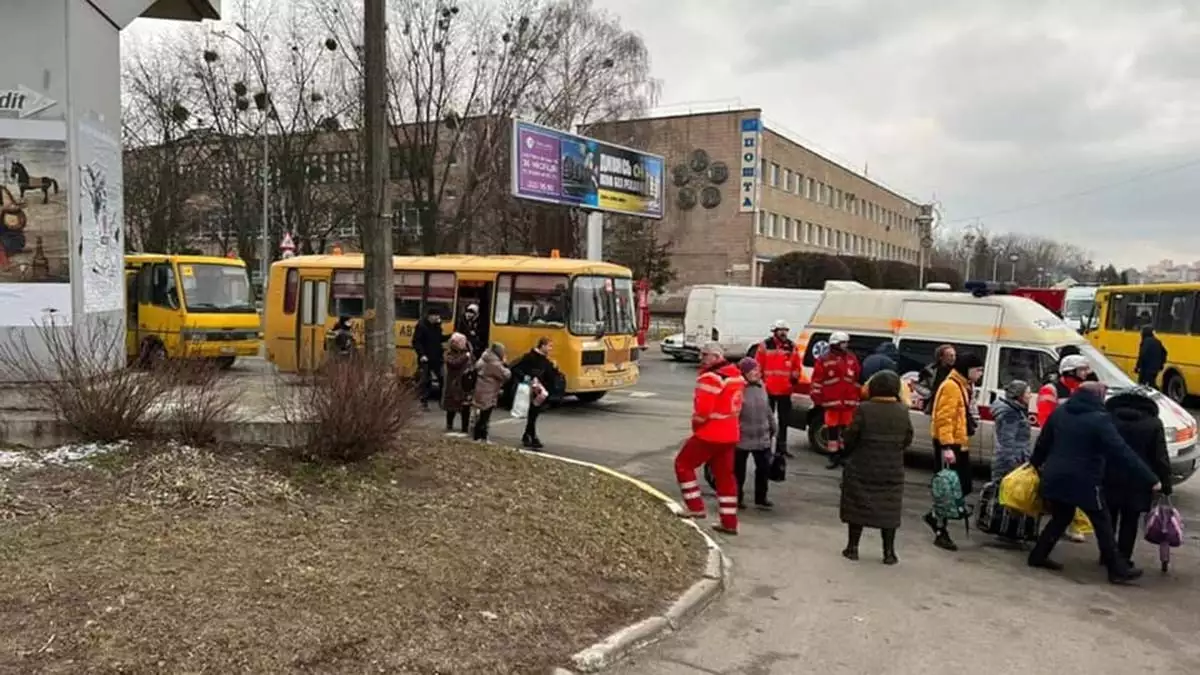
<point>715,433</point>
<point>780,366</point>
<point>835,388</point>
<point>1073,370</point>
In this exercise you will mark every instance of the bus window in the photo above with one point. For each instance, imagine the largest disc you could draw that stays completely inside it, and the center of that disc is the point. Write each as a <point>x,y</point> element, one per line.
<point>503,299</point>
<point>1139,310</point>
<point>1175,312</point>
<point>162,287</point>
<point>439,294</point>
<point>290,289</point>
<point>409,286</point>
<point>349,293</point>
<point>535,299</point>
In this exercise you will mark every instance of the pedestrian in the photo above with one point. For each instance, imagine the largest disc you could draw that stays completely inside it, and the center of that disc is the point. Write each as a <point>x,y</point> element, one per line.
<point>758,426</point>
<point>492,374</point>
<point>1073,371</point>
<point>885,358</point>
<point>951,429</point>
<point>1151,359</point>
<point>470,328</point>
<point>1014,434</point>
<point>835,388</point>
<point>780,365</point>
<point>935,373</point>
<point>342,335</point>
<point>716,431</point>
<point>1136,419</point>
<point>1070,455</point>
<point>427,342</point>
<point>536,368</point>
<point>457,382</point>
<point>873,480</point>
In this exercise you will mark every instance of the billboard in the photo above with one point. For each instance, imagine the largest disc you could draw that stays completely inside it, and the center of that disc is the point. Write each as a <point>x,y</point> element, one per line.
<point>559,168</point>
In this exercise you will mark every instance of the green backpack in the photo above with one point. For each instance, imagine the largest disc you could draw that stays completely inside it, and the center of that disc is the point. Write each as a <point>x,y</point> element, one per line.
<point>948,501</point>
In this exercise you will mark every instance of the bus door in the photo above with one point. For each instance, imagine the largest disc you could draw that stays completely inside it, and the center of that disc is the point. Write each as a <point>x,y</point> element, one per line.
<point>479,293</point>
<point>133,338</point>
<point>311,319</point>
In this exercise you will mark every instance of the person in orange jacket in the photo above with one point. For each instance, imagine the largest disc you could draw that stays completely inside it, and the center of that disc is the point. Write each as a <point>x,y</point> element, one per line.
<point>715,434</point>
<point>780,365</point>
<point>835,388</point>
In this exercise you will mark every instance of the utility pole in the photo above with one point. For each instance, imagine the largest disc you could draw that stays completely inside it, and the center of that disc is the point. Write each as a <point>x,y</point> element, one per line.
<point>376,231</point>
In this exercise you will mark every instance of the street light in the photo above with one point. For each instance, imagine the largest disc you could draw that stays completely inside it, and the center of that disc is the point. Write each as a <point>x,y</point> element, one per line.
<point>968,244</point>
<point>1040,272</point>
<point>1013,258</point>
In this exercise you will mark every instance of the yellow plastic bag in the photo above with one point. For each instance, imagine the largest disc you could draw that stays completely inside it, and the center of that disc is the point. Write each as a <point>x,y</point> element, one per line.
<point>1020,491</point>
<point>1080,524</point>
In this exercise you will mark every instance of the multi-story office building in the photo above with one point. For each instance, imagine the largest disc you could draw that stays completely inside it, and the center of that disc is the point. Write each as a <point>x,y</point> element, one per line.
<point>740,194</point>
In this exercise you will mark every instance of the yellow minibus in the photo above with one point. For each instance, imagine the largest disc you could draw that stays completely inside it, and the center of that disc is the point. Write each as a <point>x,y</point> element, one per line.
<point>586,308</point>
<point>189,306</point>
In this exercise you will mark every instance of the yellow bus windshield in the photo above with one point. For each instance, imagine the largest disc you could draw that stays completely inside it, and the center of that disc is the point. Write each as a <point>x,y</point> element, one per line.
<point>215,288</point>
<point>602,306</point>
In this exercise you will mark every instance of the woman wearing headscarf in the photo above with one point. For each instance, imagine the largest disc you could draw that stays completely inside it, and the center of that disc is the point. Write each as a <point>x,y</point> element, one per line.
<point>873,479</point>
<point>1010,413</point>
<point>492,374</point>
<point>458,380</point>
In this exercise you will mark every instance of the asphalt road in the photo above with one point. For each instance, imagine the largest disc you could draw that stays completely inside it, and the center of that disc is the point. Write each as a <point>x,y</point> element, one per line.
<point>795,605</point>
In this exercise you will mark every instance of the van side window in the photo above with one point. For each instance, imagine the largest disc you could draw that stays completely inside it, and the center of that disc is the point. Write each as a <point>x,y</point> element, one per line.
<point>916,354</point>
<point>861,345</point>
<point>813,340</point>
<point>1033,366</point>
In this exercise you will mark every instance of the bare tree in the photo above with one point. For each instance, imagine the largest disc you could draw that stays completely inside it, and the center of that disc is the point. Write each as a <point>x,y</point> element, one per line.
<point>994,254</point>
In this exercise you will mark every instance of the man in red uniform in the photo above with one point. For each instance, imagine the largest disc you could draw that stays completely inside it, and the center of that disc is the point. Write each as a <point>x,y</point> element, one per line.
<point>835,388</point>
<point>780,366</point>
<point>1073,370</point>
<point>715,433</point>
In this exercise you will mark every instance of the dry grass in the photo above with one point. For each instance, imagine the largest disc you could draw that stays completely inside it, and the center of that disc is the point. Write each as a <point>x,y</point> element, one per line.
<point>443,557</point>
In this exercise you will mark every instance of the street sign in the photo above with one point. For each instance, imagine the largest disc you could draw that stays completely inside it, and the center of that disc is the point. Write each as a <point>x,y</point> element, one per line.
<point>287,246</point>
<point>926,242</point>
<point>23,102</point>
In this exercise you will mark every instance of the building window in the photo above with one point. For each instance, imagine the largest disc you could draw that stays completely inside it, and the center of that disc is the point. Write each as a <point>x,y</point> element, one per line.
<point>762,169</point>
<point>772,225</point>
<point>799,189</point>
<point>839,200</point>
<point>808,233</point>
<point>760,223</point>
<point>774,175</point>
<point>809,190</point>
<point>787,179</point>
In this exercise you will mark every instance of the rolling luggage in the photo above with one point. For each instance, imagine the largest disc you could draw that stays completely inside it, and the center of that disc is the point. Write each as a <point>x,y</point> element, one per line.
<point>1002,522</point>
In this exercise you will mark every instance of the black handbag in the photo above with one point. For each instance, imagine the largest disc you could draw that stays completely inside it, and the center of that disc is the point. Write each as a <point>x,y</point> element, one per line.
<point>778,470</point>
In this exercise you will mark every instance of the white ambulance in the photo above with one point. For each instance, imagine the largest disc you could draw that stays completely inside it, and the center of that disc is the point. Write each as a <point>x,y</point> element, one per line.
<point>1016,337</point>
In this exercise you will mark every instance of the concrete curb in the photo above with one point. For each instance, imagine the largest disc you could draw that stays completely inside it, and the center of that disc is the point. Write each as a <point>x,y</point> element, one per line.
<point>686,607</point>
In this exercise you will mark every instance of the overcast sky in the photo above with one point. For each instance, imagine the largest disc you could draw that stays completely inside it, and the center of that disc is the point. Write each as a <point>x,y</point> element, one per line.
<point>999,109</point>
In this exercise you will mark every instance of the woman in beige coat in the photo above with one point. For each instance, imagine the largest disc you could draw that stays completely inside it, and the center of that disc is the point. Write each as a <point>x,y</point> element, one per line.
<point>490,382</point>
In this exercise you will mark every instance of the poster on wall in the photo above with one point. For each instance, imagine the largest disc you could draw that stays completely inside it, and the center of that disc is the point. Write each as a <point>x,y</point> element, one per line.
<point>101,212</point>
<point>35,241</point>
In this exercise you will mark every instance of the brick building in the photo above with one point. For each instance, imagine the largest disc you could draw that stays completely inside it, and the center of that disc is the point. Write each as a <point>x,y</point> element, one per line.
<point>740,194</point>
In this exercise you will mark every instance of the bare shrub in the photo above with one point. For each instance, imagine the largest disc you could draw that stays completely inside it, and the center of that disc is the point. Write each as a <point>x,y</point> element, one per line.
<point>350,410</point>
<point>79,373</point>
<point>202,398</point>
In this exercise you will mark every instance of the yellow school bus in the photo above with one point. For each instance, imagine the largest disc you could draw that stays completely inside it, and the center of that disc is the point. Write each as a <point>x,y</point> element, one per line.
<point>1172,310</point>
<point>189,306</point>
<point>586,308</point>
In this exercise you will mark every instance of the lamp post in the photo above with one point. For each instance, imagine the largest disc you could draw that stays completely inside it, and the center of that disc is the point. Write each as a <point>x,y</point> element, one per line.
<point>1040,272</point>
<point>925,229</point>
<point>253,48</point>
<point>969,246</point>
<point>1013,258</point>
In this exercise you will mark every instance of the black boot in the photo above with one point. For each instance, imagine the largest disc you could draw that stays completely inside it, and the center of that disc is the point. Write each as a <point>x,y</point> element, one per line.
<point>835,462</point>
<point>853,537</point>
<point>889,547</point>
<point>944,542</point>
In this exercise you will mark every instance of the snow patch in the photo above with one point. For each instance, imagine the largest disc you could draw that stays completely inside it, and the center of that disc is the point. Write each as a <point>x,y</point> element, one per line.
<point>65,454</point>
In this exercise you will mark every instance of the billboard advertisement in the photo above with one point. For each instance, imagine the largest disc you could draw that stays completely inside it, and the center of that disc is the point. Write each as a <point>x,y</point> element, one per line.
<point>559,168</point>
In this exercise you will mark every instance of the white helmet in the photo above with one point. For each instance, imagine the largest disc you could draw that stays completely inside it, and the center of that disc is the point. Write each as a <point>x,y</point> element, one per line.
<point>779,324</point>
<point>1072,363</point>
<point>838,338</point>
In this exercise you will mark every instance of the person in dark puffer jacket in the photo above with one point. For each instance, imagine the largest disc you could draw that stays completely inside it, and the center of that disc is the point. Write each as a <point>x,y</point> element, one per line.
<point>886,357</point>
<point>1136,417</point>
<point>758,427</point>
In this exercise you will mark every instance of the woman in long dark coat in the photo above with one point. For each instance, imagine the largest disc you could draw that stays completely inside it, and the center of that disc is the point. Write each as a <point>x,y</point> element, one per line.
<point>456,394</point>
<point>873,480</point>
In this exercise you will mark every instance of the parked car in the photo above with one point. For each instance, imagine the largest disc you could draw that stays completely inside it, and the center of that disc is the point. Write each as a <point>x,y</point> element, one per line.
<point>674,347</point>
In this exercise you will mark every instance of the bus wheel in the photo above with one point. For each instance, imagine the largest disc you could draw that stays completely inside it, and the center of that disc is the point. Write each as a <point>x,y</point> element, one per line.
<point>1175,387</point>
<point>153,354</point>
<point>225,362</point>
<point>590,396</point>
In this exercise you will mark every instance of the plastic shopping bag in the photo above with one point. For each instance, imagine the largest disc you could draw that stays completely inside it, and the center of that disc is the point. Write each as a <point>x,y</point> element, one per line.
<point>1080,524</point>
<point>1020,491</point>
<point>521,400</point>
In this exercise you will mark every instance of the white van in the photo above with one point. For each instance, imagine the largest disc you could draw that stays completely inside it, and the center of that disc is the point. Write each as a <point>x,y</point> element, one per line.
<point>1016,337</point>
<point>739,317</point>
<point>1078,305</point>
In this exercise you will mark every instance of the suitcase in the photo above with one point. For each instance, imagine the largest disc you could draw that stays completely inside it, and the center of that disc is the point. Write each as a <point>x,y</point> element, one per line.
<point>999,521</point>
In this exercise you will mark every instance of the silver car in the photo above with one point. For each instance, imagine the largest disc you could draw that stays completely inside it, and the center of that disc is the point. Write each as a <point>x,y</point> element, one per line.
<point>675,347</point>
